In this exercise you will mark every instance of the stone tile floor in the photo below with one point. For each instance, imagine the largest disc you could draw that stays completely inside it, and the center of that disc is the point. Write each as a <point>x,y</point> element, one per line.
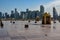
<point>36,31</point>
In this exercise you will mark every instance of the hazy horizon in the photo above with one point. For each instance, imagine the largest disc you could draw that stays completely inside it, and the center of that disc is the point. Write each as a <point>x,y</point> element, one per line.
<point>22,5</point>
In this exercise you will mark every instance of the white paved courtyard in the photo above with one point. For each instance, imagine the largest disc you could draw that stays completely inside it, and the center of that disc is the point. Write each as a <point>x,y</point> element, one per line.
<point>36,31</point>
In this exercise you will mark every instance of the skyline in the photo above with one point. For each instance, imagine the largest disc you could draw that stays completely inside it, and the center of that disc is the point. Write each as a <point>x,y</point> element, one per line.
<point>22,5</point>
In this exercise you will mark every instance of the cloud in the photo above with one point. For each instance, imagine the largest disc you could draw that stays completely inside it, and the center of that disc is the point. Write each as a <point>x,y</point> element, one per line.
<point>49,6</point>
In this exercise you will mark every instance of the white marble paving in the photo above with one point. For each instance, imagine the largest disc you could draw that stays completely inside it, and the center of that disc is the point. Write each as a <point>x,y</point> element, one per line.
<point>36,31</point>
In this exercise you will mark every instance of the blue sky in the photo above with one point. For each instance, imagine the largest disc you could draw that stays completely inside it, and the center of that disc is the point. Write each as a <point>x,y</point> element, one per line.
<point>21,5</point>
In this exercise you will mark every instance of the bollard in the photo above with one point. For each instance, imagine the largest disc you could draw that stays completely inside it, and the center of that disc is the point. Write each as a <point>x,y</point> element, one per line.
<point>45,34</point>
<point>10,21</point>
<point>59,20</point>
<point>54,22</point>
<point>29,21</point>
<point>35,22</point>
<point>26,26</point>
<point>13,22</point>
<point>53,27</point>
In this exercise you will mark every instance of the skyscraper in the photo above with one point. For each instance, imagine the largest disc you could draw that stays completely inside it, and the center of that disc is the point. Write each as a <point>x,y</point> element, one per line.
<point>0,15</point>
<point>23,14</point>
<point>16,15</point>
<point>55,15</point>
<point>41,11</point>
<point>28,13</point>
<point>12,14</point>
<point>27,10</point>
<point>3,16</point>
<point>6,15</point>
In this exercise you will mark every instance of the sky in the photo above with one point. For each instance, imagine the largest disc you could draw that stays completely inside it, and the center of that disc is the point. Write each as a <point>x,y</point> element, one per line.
<point>22,5</point>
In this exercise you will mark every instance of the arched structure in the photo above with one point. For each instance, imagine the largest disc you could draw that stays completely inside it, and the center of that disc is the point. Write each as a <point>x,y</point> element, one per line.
<point>46,18</point>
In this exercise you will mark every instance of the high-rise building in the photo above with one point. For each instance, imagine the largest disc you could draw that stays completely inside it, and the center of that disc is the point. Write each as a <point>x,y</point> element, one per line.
<point>41,11</point>
<point>27,13</point>
<point>16,15</point>
<point>6,15</point>
<point>0,15</point>
<point>27,10</point>
<point>23,15</point>
<point>3,16</point>
<point>33,14</point>
<point>12,14</point>
<point>55,15</point>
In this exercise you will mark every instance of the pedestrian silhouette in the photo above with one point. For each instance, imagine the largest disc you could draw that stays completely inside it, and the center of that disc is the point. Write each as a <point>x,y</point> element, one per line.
<point>1,25</point>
